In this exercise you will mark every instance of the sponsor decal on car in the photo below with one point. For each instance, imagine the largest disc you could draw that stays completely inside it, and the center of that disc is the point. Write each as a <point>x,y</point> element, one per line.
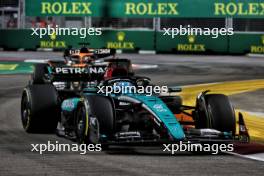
<point>68,104</point>
<point>78,70</point>
<point>159,108</point>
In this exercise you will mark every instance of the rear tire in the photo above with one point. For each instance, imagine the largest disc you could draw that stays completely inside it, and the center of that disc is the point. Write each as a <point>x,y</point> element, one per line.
<point>39,73</point>
<point>39,109</point>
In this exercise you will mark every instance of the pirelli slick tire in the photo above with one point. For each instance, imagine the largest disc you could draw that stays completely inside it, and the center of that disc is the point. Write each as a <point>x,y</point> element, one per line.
<point>39,108</point>
<point>87,125</point>
<point>94,119</point>
<point>102,108</point>
<point>220,114</point>
<point>39,73</point>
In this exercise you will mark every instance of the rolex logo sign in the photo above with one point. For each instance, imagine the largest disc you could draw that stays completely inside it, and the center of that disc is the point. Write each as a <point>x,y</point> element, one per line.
<point>191,38</point>
<point>259,48</point>
<point>191,46</point>
<point>120,36</point>
<point>52,42</point>
<point>121,42</point>
<point>53,36</point>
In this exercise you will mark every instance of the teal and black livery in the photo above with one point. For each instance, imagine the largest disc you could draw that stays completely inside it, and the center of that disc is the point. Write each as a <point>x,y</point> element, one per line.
<point>70,105</point>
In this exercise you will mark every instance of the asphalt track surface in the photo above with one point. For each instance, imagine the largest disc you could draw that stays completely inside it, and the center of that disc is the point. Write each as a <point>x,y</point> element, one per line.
<point>16,157</point>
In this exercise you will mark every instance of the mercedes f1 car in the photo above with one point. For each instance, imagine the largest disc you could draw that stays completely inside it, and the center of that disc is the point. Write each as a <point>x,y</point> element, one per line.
<point>90,116</point>
<point>82,65</point>
<point>85,55</point>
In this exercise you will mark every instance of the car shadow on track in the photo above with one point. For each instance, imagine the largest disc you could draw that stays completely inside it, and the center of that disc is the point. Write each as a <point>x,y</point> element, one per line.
<point>153,151</point>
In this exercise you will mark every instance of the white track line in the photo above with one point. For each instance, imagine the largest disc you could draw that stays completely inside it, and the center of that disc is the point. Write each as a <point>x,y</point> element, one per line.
<point>257,156</point>
<point>36,60</point>
<point>144,66</point>
<point>136,66</point>
<point>147,52</point>
<point>255,55</point>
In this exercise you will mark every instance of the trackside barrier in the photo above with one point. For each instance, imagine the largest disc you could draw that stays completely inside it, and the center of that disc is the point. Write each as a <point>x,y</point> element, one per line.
<point>131,41</point>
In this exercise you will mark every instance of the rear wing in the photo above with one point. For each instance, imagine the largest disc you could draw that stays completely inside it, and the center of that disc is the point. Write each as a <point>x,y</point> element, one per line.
<point>95,53</point>
<point>70,74</point>
<point>101,53</point>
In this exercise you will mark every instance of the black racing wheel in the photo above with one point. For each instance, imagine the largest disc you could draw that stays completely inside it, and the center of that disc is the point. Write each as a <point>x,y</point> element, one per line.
<point>103,109</point>
<point>218,113</point>
<point>39,74</point>
<point>39,108</point>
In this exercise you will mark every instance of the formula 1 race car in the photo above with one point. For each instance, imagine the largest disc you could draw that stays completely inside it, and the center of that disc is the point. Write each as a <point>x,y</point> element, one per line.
<point>83,56</point>
<point>89,115</point>
<point>64,76</point>
<point>80,63</point>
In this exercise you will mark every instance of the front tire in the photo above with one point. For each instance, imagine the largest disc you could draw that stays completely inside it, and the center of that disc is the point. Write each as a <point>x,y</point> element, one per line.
<point>218,114</point>
<point>102,108</point>
<point>95,120</point>
<point>87,126</point>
